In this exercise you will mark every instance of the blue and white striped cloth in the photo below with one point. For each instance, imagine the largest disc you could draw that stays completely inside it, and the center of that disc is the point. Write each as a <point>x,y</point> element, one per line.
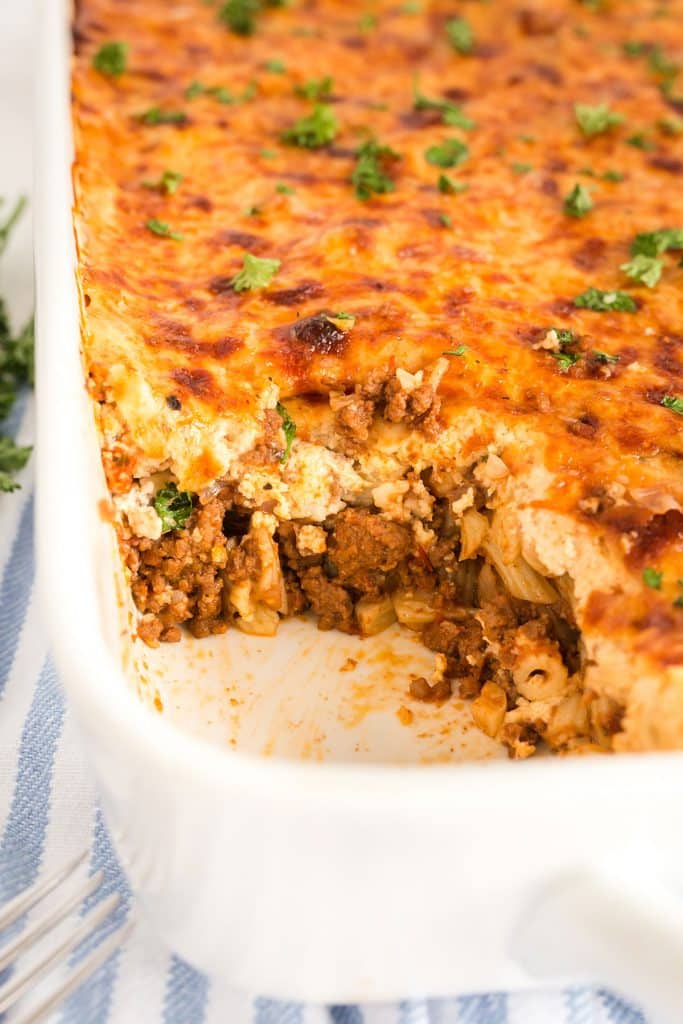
<point>49,813</point>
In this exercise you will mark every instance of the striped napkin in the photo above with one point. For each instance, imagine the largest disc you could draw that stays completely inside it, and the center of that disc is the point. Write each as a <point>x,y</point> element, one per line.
<point>49,813</point>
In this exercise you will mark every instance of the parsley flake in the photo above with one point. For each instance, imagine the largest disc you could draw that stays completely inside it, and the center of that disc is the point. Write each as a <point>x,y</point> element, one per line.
<point>313,131</point>
<point>646,270</point>
<point>284,190</point>
<point>520,168</point>
<point>450,153</point>
<point>161,228</point>
<point>451,113</point>
<point>652,578</point>
<point>447,186</point>
<point>633,48</point>
<point>578,202</point>
<point>653,243</point>
<point>370,176</point>
<point>168,183</point>
<point>612,176</point>
<point>606,301</point>
<point>255,273</point>
<point>460,35</point>
<point>445,220</point>
<point>111,59</point>
<point>155,115</point>
<point>673,403</point>
<point>565,359</point>
<point>173,507</point>
<point>275,66</point>
<point>596,120</point>
<point>640,141</point>
<point>459,351</point>
<point>240,16</point>
<point>604,357</point>
<point>670,125</point>
<point>288,429</point>
<point>367,22</point>
<point>315,88</point>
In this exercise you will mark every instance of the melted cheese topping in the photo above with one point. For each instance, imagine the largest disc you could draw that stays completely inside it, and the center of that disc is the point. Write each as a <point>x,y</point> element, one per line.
<point>191,365</point>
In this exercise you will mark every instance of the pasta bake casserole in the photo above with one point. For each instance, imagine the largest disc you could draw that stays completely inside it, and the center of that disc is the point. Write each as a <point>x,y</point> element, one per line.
<point>382,310</point>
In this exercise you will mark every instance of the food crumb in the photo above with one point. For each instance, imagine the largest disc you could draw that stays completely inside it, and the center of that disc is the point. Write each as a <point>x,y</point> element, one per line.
<point>158,703</point>
<point>349,665</point>
<point>405,716</point>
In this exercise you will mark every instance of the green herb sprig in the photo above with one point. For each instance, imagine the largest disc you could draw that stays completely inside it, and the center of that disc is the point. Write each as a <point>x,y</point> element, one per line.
<point>173,507</point>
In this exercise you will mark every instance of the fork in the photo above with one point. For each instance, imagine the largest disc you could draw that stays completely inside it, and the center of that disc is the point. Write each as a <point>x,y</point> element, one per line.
<point>20,983</point>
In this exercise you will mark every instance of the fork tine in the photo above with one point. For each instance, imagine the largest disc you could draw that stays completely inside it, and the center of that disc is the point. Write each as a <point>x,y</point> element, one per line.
<point>80,974</point>
<point>29,897</point>
<point>16,987</point>
<point>48,921</point>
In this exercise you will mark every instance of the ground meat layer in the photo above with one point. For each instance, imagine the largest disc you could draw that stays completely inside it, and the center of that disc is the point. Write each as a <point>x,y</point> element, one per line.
<point>359,572</point>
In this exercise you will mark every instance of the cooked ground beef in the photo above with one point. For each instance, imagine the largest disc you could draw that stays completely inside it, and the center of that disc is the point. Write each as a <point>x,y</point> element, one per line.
<point>364,547</point>
<point>195,576</point>
<point>384,395</point>
<point>179,578</point>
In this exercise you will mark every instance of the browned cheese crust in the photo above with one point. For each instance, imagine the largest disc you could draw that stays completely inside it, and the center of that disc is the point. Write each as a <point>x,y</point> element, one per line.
<point>456,283</point>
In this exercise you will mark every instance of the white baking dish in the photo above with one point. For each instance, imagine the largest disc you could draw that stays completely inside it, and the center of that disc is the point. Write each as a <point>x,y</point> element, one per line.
<point>292,838</point>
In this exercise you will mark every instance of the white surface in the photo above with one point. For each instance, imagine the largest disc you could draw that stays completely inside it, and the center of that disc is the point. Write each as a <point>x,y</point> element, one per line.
<point>317,881</point>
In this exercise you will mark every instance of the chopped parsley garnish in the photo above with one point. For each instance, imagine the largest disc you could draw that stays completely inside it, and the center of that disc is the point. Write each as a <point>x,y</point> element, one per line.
<point>155,115</point>
<point>168,183</point>
<point>673,403</point>
<point>460,35</point>
<point>240,15</point>
<point>161,228</point>
<point>341,315</point>
<point>111,59</point>
<point>316,88</point>
<point>606,301</point>
<point>565,359</point>
<point>520,168</point>
<point>313,131</point>
<point>450,153</point>
<point>173,507</point>
<point>268,154</point>
<point>646,270</point>
<point>451,113</point>
<point>367,22</point>
<point>411,7</point>
<point>284,190</point>
<point>604,357</point>
<point>447,186</point>
<point>633,48</point>
<point>219,92</point>
<point>565,337</point>
<point>288,429</point>
<point>459,351</point>
<point>255,273</point>
<point>652,578</point>
<point>277,67</point>
<point>12,458</point>
<point>640,141</point>
<point>596,120</point>
<point>369,176</point>
<point>652,243</point>
<point>445,220</point>
<point>578,202</point>
<point>678,602</point>
<point>671,125</point>
<point>660,64</point>
<point>612,176</point>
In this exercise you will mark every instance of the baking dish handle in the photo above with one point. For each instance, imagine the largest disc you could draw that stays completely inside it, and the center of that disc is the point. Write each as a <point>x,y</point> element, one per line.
<point>621,928</point>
